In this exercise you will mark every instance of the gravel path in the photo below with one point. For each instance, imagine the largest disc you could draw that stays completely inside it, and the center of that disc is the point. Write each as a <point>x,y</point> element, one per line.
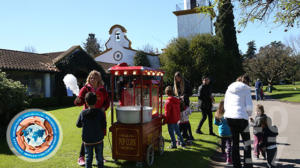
<point>286,116</point>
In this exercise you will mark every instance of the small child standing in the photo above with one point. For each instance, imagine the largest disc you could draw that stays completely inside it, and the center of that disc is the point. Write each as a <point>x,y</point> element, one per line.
<point>269,141</point>
<point>224,132</point>
<point>93,123</point>
<point>172,116</point>
<point>257,130</point>
<point>184,124</point>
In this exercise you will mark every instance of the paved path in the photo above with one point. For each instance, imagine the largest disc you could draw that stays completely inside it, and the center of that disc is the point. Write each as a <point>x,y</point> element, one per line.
<point>287,118</point>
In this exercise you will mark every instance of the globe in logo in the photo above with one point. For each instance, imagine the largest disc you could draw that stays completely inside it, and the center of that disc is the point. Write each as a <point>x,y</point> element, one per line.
<point>34,135</point>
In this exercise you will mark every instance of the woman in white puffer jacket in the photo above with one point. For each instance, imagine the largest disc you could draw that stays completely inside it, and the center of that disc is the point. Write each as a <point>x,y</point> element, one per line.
<point>238,107</point>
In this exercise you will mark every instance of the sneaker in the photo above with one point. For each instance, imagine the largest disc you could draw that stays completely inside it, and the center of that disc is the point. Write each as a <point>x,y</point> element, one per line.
<point>172,147</point>
<point>81,161</point>
<point>191,138</point>
<point>228,161</point>
<point>199,131</point>
<point>183,145</point>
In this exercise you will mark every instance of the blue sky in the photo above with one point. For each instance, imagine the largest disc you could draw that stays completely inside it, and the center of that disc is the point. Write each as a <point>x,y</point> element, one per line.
<point>56,25</point>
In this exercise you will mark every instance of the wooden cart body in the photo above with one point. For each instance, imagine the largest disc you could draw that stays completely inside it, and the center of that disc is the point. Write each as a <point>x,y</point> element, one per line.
<point>136,142</point>
<point>130,142</point>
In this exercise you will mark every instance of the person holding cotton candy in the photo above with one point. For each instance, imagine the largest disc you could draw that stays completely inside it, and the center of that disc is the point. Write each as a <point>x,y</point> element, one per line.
<point>95,84</point>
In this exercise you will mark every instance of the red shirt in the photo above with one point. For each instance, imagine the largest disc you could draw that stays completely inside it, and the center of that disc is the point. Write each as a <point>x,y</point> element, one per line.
<point>126,98</point>
<point>101,93</point>
<point>172,110</point>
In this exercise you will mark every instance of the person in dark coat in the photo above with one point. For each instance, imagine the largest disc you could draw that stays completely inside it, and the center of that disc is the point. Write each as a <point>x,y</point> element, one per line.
<point>182,88</point>
<point>93,123</point>
<point>183,91</point>
<point>94,84</point>
<point>269,141</point>
<point>206,100</point>
<point>258,90</point>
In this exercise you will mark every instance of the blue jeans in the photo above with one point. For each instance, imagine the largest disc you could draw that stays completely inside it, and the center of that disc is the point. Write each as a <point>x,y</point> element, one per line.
<point>89,155</point>
<point>174,128</point>
<point>257,94</point>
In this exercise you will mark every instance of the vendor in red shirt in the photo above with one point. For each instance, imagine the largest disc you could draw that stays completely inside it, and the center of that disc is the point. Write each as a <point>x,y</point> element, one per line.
<point>126,97</point>
<point>95,84</point>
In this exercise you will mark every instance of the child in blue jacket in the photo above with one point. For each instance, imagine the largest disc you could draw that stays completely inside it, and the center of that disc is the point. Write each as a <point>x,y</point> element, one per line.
<point>224,132</point>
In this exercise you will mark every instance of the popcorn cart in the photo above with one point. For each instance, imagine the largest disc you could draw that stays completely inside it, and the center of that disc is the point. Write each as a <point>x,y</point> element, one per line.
<point>137,133</point>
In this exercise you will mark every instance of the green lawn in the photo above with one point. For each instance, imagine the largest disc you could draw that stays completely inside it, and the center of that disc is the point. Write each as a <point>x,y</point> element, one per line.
<point>217,99</point>
<point>289,93</point>
<point>197,155</point>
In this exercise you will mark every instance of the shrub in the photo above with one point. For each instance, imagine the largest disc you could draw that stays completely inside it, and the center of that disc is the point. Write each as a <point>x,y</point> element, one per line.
<point>140,59</point>
<point>51,102</point>
<point>13,99</point>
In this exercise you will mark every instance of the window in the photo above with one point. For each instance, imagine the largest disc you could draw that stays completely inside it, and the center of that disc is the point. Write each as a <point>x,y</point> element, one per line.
<point>118,56</point>
<point>118,36</point>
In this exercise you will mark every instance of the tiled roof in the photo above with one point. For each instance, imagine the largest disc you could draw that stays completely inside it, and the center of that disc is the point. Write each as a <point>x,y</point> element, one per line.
<point>66,53</point>
<point>18,60</point>
<point>54,55</point>
<point>105,65</point>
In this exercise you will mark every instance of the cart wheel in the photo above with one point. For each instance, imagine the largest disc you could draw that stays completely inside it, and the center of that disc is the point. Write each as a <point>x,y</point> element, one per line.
<point>161,145</point>
<point>150,155</point>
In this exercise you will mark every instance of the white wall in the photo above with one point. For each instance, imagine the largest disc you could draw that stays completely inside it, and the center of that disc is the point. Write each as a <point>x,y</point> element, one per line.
<point>108,56</point>
<point>47,85</point>
<point>122,46</point>
<point>112,43</point>
<point>193,24</point>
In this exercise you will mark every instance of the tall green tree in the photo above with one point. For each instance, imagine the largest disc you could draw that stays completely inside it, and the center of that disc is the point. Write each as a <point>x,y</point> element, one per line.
<point>225,30</point>
<point>177,57</point>
<point>208,60</point>
<point>199,56</point>
<point>91,46</point>
<point>250,51</point>
<point>273,63</point>
<point>140,59</point>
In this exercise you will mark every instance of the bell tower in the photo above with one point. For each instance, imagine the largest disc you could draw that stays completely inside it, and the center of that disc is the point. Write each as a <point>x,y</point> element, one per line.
<point>191,21</point>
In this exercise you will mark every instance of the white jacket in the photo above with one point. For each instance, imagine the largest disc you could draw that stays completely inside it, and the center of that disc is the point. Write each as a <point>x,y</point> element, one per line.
<point>184,115</point>
<point>238,101</point>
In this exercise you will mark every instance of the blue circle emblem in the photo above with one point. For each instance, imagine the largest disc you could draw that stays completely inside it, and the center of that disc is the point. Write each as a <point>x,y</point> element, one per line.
<point>34,135</point>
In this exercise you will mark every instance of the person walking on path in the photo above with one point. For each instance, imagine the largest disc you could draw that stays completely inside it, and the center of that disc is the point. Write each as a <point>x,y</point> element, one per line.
<point>206,100</point>
<point>270,132</point>
<point>224,132</point>
<point>258,90</point>
<point>95,84</point>
<point>238,107</point>
<point>257,130</point>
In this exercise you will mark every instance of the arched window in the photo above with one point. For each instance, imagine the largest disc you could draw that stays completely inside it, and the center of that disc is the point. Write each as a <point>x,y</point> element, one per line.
<point>118,36</point>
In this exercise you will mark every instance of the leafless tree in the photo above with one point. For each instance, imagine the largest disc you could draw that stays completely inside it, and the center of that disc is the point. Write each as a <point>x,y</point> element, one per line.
<point>30,49</point>
<point>293,42</point>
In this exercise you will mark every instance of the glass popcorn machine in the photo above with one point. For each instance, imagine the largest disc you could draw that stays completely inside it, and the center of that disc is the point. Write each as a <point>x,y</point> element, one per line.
<point>137,131</point>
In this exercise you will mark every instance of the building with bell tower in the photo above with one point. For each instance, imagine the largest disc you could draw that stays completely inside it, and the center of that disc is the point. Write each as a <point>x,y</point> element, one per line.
<point>190,21</point>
